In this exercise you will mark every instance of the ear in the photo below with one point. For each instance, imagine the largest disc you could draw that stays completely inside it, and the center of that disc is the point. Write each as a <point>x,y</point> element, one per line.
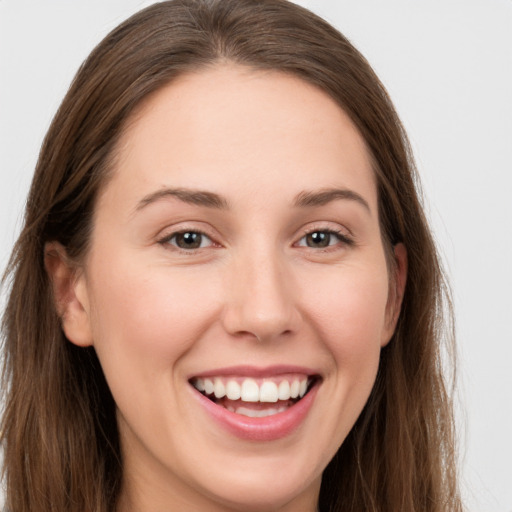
<point>70,294</point>
<point>396,291</point>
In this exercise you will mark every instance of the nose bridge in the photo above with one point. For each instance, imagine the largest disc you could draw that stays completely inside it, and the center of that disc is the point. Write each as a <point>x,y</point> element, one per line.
<point>261,300</point>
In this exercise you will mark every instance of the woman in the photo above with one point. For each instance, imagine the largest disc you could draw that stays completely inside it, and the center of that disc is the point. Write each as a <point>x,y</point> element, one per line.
<point>225,295</point>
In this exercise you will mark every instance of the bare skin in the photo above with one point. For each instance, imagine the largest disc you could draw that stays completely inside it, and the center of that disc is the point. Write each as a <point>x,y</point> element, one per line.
<point>240,228</point>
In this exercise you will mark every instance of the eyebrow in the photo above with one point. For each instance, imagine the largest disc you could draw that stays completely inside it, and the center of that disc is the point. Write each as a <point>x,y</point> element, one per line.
<point>305,199</point>
<point>325,196</point>
<point>190,196</point>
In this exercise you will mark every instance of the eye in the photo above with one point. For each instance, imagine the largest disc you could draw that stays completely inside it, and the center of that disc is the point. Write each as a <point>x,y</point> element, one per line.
<point>321,239</point>
<point>188,240</point>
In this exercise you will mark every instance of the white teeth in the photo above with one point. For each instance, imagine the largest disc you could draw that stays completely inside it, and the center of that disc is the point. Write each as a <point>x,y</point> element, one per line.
<point>255,413</point>
<point>233,390</point>
<point>303,387</point>
<point>218,388</point>
<point>294,389</point>
<point>284,390</point>
<point>268,392</point>
<point>250,391</point>
<point>208,386</point>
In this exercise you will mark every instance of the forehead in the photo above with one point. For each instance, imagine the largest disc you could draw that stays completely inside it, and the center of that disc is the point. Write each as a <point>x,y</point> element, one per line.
<point>238,130</point>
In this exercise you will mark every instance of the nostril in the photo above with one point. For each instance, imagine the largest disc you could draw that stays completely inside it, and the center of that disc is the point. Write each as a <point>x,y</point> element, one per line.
<point>261,304</point>
<point>243,322</point>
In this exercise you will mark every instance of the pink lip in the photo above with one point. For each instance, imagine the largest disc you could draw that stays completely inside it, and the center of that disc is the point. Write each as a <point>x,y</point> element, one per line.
<point>269,428</point>
<point>255,372</point>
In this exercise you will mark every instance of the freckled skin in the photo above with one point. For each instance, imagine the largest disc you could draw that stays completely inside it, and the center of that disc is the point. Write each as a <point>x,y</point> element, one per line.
<point>256,292</point>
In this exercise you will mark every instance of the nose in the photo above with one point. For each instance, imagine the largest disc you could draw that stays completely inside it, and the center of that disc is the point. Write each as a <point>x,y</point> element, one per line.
<point>261,301</point>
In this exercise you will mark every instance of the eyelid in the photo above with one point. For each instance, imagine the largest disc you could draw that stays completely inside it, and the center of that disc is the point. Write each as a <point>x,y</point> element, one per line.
<point>168,240</point>
<point>344,235</point>
<point>170,232</point>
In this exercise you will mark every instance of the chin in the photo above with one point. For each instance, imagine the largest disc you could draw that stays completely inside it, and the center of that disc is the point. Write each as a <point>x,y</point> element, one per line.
<point>275,491</point>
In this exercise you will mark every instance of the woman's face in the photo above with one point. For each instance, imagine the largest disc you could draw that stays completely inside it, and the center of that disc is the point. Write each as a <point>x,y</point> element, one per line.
<point>236,250</point>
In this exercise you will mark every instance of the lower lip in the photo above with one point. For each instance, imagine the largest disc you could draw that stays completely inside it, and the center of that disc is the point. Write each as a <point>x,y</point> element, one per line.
<point>269,428</point>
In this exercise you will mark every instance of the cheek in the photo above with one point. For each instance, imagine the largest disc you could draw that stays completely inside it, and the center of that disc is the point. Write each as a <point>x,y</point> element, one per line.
<point>145,320</point>
<point>353,298</point>
<point>351,313</point>
<point>347,309</point>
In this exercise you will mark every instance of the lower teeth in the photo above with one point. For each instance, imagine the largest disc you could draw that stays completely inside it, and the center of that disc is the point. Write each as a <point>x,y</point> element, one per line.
<point>257,413</point>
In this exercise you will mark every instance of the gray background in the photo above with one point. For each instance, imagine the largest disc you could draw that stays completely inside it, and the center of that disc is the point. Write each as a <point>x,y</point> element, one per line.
<point>448,67</point>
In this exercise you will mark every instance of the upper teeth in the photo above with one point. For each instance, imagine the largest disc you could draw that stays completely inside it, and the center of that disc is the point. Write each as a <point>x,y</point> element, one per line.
<point>249,390</point>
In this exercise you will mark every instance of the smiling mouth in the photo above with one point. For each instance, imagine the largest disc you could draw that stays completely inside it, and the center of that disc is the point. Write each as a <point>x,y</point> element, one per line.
<point>255,398</point>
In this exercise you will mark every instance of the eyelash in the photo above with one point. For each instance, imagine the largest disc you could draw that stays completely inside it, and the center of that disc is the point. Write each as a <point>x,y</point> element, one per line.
<point>167,240</point>
<point>342,238</point>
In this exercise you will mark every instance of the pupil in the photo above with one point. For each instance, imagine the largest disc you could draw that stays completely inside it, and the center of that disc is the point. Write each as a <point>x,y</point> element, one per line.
<point>318,239</point>
<point>188,240</point>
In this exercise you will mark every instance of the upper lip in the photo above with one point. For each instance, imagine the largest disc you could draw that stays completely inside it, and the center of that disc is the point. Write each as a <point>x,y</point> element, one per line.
<point>255,371</point>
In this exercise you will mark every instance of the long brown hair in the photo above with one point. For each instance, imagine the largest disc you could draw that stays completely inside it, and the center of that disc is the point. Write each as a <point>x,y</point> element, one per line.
<point>59,432</point>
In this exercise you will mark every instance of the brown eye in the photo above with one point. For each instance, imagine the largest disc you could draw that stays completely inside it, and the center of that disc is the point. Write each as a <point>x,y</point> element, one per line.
<point>189,240</point>
<point>319,239</point>
<point>325,238</point>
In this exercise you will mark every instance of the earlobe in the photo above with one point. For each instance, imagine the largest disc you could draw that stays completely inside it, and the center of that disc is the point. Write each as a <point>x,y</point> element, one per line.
<point>397,290</point>
<point>69,293</point>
